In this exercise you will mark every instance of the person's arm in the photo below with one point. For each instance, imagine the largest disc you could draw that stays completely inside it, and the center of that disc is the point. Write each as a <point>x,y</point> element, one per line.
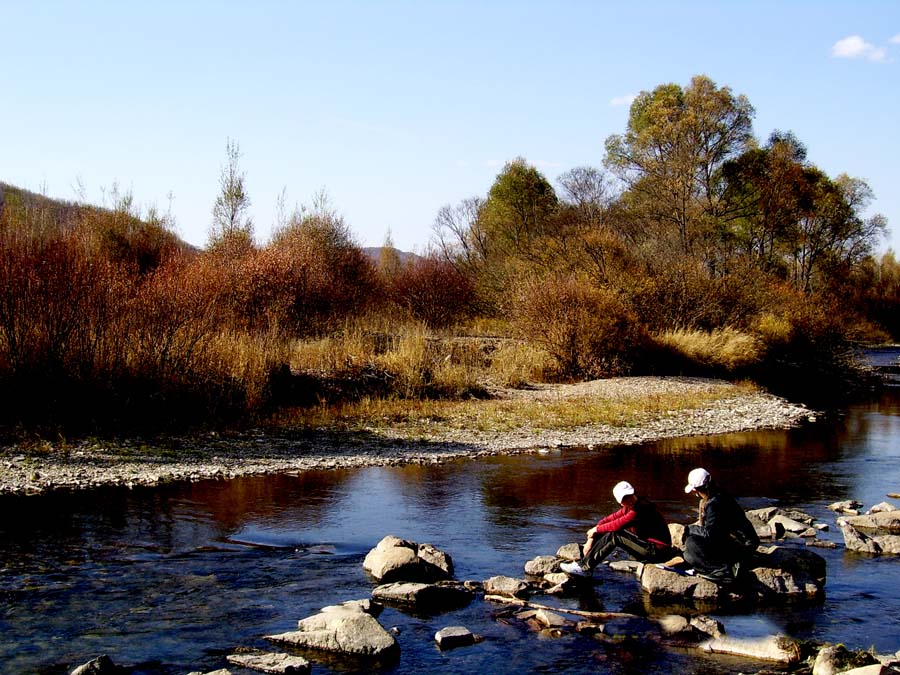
<point>617,521</point>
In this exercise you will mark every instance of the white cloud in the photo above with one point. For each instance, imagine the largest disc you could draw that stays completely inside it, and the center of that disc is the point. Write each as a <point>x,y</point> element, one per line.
<point>627,99</point>
<point>895,40</point>
<point>854,47</point>
<point>545,164</point>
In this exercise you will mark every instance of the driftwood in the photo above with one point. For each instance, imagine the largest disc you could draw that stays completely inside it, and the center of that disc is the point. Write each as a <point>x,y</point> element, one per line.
<point>603,616</point>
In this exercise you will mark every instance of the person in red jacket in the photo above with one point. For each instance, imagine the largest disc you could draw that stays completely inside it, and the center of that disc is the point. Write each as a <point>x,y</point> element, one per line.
<point>637,528</point>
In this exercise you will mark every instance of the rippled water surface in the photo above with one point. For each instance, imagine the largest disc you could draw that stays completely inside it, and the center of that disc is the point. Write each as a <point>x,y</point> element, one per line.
<point>169,580</point>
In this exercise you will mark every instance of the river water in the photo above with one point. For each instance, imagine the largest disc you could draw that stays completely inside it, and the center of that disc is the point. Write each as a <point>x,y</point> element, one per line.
<point>169,580</point>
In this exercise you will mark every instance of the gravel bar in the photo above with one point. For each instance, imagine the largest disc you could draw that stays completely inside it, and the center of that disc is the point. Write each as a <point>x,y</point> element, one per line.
<point>212,455</point>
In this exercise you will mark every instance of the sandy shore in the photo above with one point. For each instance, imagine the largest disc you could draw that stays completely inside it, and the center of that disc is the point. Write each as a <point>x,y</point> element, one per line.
<point>218,456</point>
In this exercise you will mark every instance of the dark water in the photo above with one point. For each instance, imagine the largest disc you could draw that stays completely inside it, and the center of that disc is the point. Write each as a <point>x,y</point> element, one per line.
<point>169,580</point>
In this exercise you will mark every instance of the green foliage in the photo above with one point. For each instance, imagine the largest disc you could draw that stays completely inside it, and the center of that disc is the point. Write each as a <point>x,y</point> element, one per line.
<point>229,215</point>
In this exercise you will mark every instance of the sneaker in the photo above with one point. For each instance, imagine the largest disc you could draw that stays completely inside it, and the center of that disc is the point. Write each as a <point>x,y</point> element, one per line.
<point>574,569</point>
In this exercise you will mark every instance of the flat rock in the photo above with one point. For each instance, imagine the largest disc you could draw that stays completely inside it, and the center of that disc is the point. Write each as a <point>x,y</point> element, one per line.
<point>708,625</point>
<point>454,636</point>
<point>549,619</point>
<point>782,583</point>
<point>628,566</point>
<point>220,671</point>
<point>271,663</point>
<point>343,630</point>
<point>543,564</point>
<point>506,586</point>
<point>663,584</point>
<point>773,648</point>
<point>674,624</point>
<point>882,522</point>
<point>426,597</point>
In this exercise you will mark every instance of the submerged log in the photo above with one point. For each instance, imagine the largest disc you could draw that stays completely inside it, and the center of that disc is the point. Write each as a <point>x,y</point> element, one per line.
<point>603,616</point>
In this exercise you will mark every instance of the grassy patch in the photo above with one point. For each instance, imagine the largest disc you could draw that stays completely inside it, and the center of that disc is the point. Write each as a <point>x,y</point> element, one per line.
<point>418,418</point>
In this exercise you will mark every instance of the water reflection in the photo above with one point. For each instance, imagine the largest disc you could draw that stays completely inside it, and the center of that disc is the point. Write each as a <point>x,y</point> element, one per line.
<point>176,576</point>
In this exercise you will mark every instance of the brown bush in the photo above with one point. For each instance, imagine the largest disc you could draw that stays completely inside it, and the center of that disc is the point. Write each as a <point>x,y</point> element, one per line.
<point>433,291</point>
<point>590,331</point>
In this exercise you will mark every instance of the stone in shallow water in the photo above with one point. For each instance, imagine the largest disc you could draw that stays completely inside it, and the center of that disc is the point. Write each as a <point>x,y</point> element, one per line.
<point>454,636</point>
<point>344,630</point>
<point>427,597</point>
<point>271,663</point>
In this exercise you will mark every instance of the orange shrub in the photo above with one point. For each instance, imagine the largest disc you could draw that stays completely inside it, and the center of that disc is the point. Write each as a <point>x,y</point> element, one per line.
<point>433,291</point>
<point>590,331</point>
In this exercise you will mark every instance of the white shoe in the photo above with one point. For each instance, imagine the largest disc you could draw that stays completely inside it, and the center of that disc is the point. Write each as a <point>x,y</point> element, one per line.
<point>574,569</point>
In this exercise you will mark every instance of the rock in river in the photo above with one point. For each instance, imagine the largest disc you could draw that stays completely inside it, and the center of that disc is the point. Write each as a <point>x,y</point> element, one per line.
<point>344,629</point>
<point>423,597</point>
<point>395,559</point>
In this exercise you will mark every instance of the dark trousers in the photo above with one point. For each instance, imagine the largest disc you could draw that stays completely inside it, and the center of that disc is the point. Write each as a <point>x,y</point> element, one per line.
<point>710,558</point>
<point>606,543</point>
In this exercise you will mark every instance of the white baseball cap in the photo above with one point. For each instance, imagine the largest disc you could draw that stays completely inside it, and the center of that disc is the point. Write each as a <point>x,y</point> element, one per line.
<point>697,478</point>
<point>622,489</point>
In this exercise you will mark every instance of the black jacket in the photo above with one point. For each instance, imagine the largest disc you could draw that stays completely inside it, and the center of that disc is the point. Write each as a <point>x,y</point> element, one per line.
<point>725,524</point>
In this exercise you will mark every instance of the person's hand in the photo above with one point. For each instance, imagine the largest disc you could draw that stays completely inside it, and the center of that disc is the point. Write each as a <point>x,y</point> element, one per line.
<point>591,532</point>
<point>586,547</point>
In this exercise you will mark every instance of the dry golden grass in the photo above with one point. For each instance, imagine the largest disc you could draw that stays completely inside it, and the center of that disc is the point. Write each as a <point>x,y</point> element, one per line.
<point>515,363</point>
<point>413,418</point>
<point>722,348</point>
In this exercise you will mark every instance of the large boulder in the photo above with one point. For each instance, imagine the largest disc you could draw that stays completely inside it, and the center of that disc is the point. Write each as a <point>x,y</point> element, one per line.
<point>342,629</point>
<point>800,562</point>
<point>861,542</point>
<point>879,523</point>
<point>423,597</point>
<point>666,585</point>
<point>395,559</point>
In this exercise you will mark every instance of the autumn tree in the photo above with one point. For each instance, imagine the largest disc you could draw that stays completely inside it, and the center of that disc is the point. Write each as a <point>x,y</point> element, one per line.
<point>232,228</point>
<point>671,154</point>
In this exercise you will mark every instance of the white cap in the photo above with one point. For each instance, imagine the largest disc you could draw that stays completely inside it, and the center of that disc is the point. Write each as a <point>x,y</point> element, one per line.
<point>696,479</point>
<point>621,490</point>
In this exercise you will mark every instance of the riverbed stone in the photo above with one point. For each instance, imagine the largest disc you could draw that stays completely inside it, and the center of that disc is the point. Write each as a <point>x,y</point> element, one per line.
<point>280,664</point>
<point>775,648</point>
<point>861,542</point>
<point>708,625</point>
<point>882,522</point>
<point>789,524</point>
<point>666,585</point>
<point>220,671</point>
<point>454,636</point>
<point>342,630</point>
<point>833,659</point>
<point>850,507</point>
<point>880,508</point>
<point>628,566</point>
<point>396,559</point>
<point>506,586</point>
<point>543,564</point>
<point>423,597</point>
<point>569,552</point>
<point>798,561</point>
<point>102,665</point>
<point>550,619</point>
<point>781,583</point>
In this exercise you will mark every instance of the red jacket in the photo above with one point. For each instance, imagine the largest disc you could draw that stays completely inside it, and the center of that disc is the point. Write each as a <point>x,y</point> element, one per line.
<point>644,520</point>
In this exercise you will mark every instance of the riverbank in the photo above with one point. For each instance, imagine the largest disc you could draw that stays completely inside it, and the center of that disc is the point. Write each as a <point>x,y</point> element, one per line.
<point>704,407</point>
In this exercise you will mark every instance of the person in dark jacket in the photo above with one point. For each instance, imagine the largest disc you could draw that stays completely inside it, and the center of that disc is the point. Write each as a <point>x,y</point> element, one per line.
<point>637,528</point>
<point>723,540</point>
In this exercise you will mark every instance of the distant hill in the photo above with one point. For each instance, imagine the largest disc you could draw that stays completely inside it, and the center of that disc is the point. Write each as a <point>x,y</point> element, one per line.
<point>50,215</point>
<point>374,252</point>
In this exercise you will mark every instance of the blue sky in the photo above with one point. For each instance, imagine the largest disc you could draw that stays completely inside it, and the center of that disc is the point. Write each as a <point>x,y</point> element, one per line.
<point>397,108</point>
